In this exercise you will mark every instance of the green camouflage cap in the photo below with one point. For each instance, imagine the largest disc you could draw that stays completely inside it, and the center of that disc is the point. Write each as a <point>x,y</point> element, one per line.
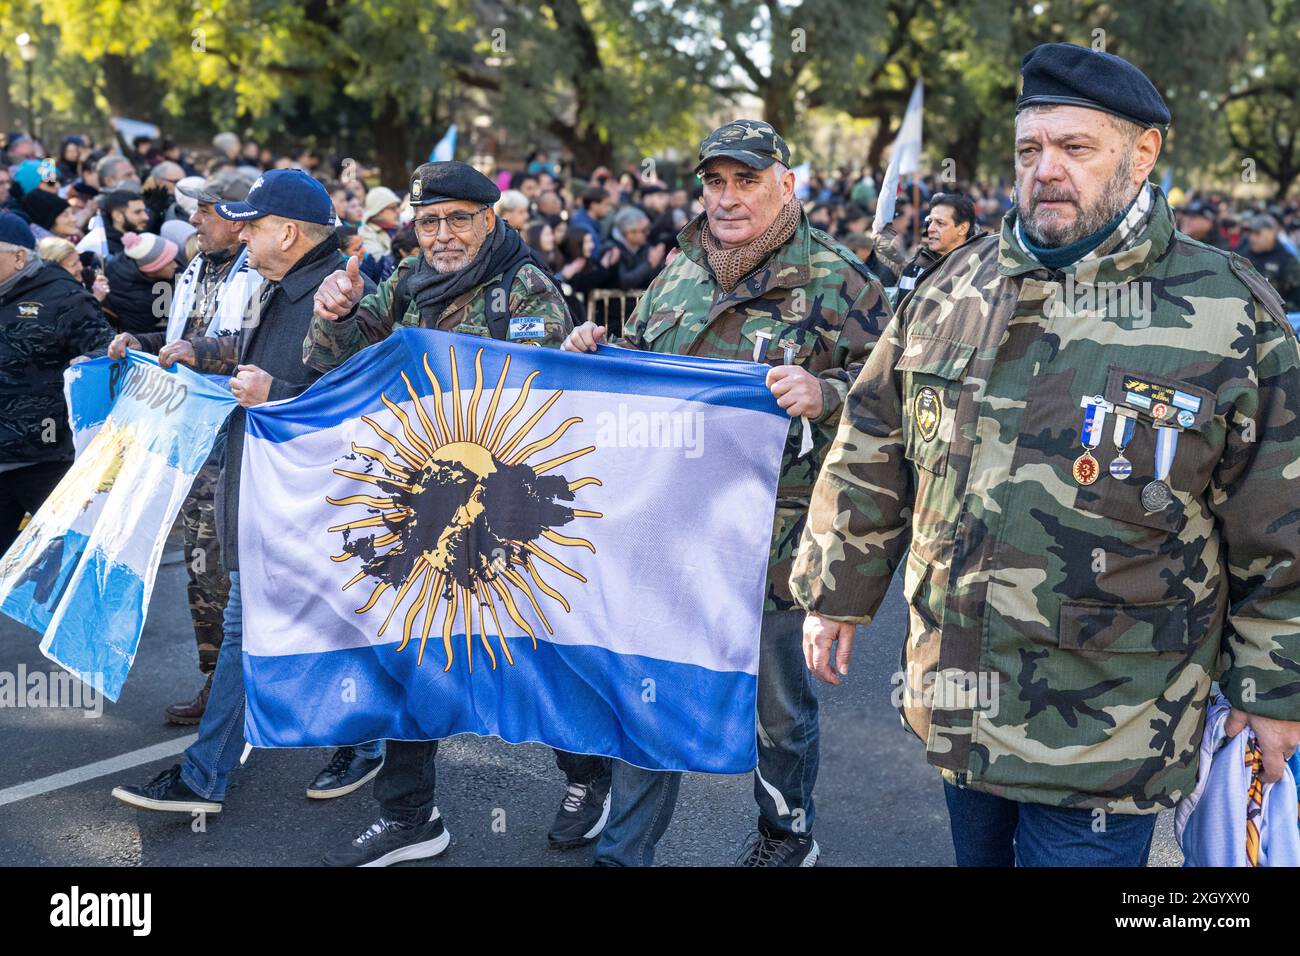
<point>753,142</point>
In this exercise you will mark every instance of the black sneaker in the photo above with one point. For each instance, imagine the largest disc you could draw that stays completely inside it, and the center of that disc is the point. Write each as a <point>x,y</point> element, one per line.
<point>778,849</point>
<point>582,816</point>
<point>344,773</point>
<point>387,842</point>
<point>167,792</point>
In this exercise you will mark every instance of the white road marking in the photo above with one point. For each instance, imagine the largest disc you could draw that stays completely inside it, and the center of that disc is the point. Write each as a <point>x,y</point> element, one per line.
<point>100,768</point>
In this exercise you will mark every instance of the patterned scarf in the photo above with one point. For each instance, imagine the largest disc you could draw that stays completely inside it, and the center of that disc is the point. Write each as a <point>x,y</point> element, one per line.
<point>1109,239</point>
<point>731,265</point>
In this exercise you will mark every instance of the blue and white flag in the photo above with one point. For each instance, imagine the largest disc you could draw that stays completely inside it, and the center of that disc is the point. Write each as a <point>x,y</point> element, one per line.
<point>445,149</point>
<point>905,158</point>
<point>82,570</point>
<point>457,535</point>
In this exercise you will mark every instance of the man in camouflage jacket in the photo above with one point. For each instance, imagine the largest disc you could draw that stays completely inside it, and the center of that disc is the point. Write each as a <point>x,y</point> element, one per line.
<point>1080,444</point>
<point>464,245</point>
<point>332,341</point>
<point>755,282</point>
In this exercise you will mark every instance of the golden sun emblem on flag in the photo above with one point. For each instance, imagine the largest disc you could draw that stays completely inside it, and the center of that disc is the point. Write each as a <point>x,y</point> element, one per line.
<point>462,513</point>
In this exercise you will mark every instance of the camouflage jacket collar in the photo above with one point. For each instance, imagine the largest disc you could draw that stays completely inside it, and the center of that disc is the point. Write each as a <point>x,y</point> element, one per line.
<point>1127,261</point>
<point>788,267</point>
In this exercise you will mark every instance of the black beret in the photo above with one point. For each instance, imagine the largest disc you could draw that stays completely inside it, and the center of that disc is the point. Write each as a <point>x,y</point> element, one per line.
<point>439,182</point>
<point>1068,75</point>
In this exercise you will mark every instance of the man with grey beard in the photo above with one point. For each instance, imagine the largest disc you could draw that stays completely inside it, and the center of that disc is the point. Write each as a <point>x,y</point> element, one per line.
<point>1093,508</point>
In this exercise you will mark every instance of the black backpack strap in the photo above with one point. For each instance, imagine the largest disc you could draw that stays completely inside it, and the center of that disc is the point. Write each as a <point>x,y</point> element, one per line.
<point>402,296</point>
<point>497,308</point>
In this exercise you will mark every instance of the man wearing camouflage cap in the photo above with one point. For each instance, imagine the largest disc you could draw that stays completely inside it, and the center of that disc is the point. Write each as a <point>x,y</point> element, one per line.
<point>475,276</point>
<point>205,316</point>
<point>755,282</point>
<point>1077,438</point>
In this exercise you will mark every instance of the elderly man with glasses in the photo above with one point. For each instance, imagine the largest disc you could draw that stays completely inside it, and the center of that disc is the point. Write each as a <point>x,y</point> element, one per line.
<point>466,253</point>
<point>473,275</point>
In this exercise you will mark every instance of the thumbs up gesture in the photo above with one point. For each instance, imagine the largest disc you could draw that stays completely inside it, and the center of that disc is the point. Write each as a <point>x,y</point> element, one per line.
<point>340,292</point>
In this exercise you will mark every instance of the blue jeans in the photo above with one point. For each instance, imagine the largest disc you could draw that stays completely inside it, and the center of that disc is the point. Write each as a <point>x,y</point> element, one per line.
<point>642,801</point>
<point>993,831</point>
<point>370,749</point>
<point>208,761</point>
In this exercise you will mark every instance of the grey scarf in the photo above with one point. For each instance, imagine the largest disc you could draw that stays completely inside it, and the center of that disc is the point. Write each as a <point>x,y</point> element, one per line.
<point>33,266</point>
<point>433,291</point>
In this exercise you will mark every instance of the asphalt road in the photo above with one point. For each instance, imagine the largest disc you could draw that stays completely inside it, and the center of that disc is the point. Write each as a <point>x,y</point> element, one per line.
<point>878,802</point>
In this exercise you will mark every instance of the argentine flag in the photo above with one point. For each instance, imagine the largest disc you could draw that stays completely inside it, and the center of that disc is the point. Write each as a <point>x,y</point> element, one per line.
<point>82,570</point>
<point>450,534</point>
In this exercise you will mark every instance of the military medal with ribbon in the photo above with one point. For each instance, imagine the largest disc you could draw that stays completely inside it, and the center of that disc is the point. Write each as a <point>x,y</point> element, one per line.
<point>1125,424</point>
<point>1157,495</point>
<point>1086,470</point>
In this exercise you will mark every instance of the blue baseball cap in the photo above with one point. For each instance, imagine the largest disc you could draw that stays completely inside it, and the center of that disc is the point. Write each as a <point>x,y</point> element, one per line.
<point>290,193</point>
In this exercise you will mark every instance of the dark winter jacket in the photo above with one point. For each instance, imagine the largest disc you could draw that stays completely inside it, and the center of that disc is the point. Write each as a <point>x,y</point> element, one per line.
<point>45,321</point>
<point>137,302</point>
<point>274,344</point>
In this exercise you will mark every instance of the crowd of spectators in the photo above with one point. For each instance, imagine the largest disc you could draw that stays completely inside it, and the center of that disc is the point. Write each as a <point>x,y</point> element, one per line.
<point>111,214</point>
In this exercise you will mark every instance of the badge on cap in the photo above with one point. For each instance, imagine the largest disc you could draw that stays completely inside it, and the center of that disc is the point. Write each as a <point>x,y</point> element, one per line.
<point>416,188</point>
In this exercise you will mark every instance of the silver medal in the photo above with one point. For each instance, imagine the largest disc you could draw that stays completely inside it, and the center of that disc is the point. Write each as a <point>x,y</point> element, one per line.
<point>1156,496</point>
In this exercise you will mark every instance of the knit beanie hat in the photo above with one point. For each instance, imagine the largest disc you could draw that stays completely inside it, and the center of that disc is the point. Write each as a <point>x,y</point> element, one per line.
<point>43,207</point>
<point>150,252</point>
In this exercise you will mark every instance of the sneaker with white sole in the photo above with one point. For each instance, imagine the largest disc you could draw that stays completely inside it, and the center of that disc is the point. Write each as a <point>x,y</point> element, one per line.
<point>387,842</point>
<point>167,792</point>
<point>582,815</point>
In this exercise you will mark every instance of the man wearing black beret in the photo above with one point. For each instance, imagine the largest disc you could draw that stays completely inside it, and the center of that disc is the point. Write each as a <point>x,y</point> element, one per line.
<point>1077,437</point>
<point>473,275</point>
<point>465,255</point>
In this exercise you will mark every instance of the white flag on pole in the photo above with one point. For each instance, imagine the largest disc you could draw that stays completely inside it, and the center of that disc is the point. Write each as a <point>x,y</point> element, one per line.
<point>906,157</point>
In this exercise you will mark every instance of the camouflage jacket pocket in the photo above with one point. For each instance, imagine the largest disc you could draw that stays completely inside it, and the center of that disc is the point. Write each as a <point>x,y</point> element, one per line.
<point>1122,501</point>
<point>1123,628</point>
<point>775,343</point>
<point>925,613</point>
<point>1152,398</point>
<point>932,371</point>
<point>659,327</point>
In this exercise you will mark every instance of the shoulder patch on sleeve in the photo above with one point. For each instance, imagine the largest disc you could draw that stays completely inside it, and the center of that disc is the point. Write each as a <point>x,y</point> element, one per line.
<point>1259,286</point>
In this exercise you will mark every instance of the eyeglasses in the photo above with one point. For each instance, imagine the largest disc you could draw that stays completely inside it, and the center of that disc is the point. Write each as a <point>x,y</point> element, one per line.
<point>457,221</point>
